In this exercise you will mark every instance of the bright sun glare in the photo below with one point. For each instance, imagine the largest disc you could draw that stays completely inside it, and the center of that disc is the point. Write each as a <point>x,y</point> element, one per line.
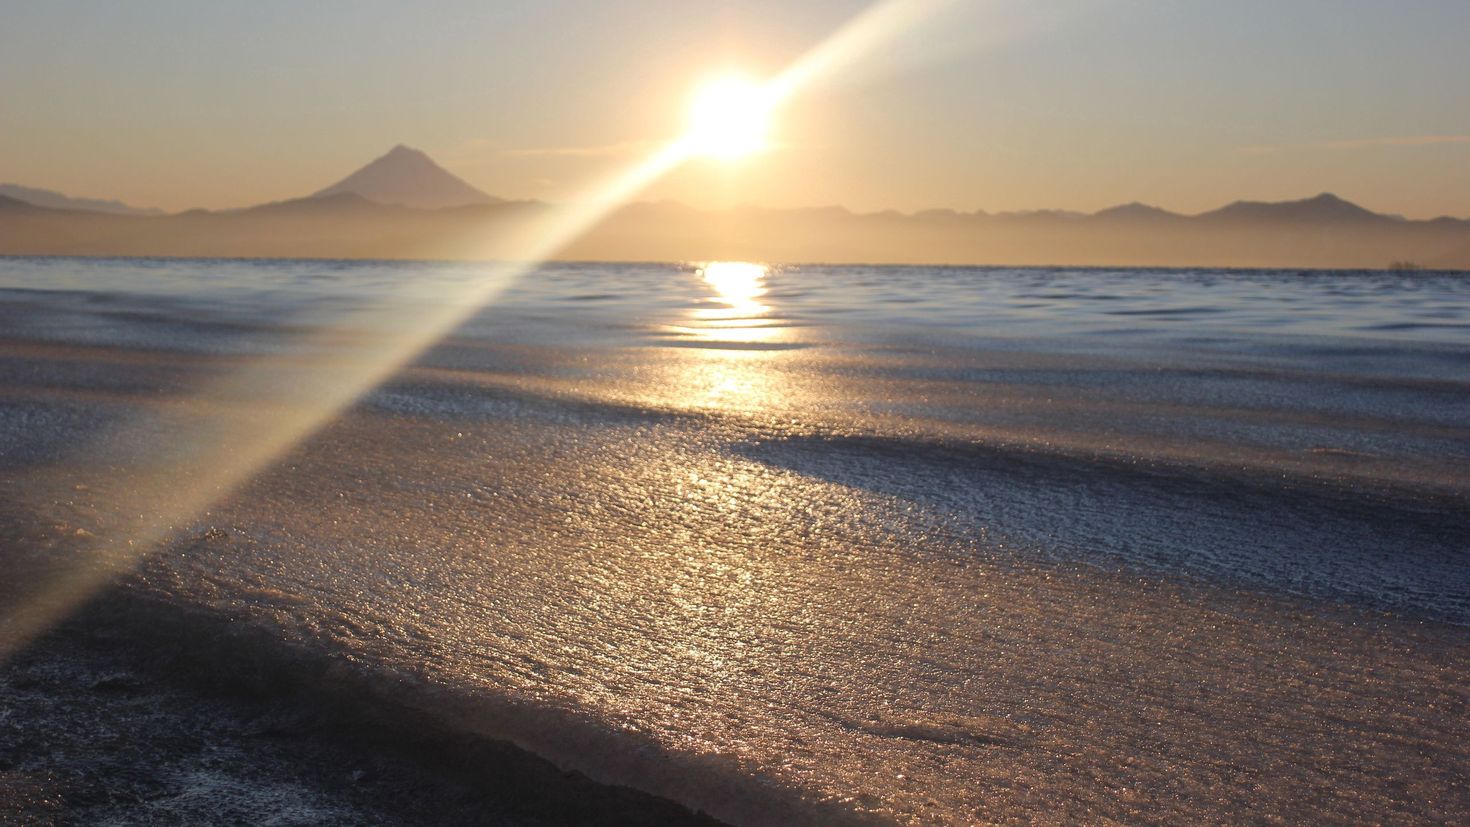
<point>738,283</point>
<point>729,117</point>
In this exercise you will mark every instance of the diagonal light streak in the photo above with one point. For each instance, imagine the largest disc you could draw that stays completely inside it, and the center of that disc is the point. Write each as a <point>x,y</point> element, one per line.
<point>235,426</point>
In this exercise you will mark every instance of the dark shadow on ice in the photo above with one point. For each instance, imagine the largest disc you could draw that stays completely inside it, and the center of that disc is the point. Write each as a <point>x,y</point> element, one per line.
<point>1257,531</point>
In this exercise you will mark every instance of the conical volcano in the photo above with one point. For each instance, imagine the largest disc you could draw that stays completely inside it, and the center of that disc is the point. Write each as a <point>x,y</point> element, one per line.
<point>408,177</point>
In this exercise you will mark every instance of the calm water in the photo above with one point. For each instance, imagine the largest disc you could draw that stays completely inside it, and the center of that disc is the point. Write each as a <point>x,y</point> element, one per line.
<point>909,544</point>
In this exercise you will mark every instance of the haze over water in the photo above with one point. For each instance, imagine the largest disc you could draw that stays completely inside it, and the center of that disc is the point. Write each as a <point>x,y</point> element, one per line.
<point>791,543</point>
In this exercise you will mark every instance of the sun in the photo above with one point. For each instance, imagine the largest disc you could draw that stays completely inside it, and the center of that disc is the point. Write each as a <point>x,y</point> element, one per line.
<point>729,118</point>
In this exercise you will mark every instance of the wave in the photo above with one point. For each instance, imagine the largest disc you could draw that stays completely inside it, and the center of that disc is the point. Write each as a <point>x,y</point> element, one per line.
<point>1391,547</point>
<point>1325,522</point>
<point>577,768</point>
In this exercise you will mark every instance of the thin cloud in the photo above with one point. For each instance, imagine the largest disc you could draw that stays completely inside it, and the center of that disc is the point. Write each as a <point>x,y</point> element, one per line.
<point>1359,143</point>
<point>484,151</point>
<point>603,151</point>
<point>1410,140</point>
<point>481,151</point>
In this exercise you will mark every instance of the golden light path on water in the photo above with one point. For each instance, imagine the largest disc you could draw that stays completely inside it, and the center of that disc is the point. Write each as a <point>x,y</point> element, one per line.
<point>735,340</point>
<point>235,426</point>
<point>738,284</point>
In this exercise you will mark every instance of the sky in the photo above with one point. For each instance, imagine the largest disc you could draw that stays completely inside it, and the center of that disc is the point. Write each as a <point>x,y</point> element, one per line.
<point>986,104</point>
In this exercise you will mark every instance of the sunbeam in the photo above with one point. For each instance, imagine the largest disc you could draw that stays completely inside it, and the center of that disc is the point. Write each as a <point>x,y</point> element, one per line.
<point>236,426</point>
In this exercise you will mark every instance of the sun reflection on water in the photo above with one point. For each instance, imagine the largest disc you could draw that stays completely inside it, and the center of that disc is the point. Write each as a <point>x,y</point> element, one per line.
<point>739,317</point>
<point>737,284</point>
<point>736,337</point>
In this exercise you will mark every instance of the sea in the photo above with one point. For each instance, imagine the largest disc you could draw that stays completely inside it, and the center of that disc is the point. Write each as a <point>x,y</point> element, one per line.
<point>786,544</point>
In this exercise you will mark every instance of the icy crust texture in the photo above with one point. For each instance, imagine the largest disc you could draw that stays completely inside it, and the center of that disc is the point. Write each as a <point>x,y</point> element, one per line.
<point>792,556</point>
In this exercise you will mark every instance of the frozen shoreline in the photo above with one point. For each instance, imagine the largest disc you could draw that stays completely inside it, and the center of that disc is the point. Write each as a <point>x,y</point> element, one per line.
<point>792,555</point>
<point>139,707</point>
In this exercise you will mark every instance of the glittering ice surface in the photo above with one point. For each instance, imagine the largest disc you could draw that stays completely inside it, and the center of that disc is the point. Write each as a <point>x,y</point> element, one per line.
<point>829,544</point>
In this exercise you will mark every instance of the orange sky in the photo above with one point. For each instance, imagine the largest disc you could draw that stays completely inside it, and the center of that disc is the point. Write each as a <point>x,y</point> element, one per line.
<point>994,105</point>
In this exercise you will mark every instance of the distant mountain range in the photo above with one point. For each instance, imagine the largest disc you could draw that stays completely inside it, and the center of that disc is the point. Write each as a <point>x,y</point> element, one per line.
<point>403,205</point>
<point>56,200</point>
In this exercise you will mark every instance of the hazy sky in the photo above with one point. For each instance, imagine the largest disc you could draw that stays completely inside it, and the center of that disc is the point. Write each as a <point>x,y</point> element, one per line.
<point>1076,104</point>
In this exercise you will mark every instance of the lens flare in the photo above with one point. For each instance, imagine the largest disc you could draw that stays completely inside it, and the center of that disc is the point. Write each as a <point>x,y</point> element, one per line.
<point>239,424</point>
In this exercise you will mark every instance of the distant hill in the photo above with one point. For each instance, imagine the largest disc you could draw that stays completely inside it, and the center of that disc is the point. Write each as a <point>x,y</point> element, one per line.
<point>1324,208</point>
<point>409,178</point>
<point>58,201</point>
<point>1135,212</point>
<point>15,205</point>
<point>334,204</point>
